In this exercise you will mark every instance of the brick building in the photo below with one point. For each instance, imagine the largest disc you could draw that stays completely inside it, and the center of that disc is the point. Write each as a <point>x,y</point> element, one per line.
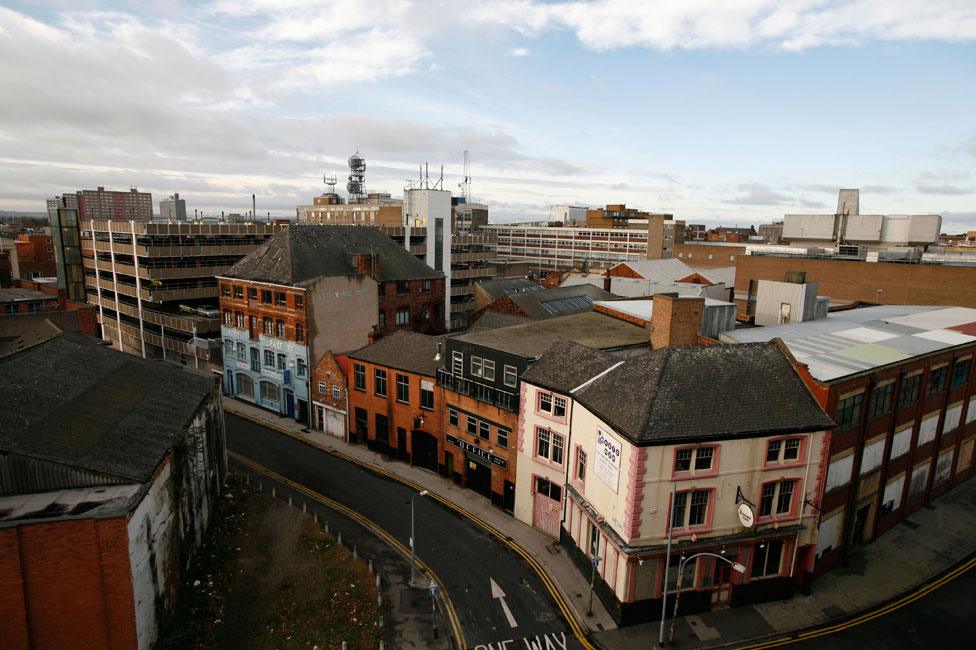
<point>709,254</point>
<point>549,303</point>
<point>330,400</point>
<point>898,381</point>
<point>105,205</point>
<point>110,467</point>
<point>313,289</point>
<point>35,256</point>
<point>395,404</point>
<point>480,378</point>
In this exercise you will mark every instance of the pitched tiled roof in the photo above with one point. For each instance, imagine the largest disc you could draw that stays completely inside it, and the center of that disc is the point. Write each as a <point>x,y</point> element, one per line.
<point>302,253</point>
<point>507,286</point>
<point>561,301</point>
<point>403,350</point>
<point>76,402</point>
<point>687,392</point>
<point>490,320</point>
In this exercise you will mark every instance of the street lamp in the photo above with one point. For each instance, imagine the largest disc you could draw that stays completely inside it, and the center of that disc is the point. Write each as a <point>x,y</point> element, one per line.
<point>413,551</point>
<point>739,568</point>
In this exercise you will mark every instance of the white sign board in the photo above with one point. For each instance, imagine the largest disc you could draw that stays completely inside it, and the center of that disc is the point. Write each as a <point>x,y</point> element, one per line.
<point>746,517</point>
<point>607,463</point>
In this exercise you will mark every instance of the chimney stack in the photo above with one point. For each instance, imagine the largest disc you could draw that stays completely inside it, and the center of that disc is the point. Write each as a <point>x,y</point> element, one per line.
<point>675,320</point>
<point>254,207</point>
<point>607,282</point>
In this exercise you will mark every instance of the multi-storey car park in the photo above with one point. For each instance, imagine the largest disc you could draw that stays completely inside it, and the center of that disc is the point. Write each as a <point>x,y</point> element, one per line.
<point>550,248</point>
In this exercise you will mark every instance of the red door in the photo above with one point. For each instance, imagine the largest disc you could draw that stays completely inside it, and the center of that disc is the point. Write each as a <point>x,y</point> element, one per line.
<point>546,514</point>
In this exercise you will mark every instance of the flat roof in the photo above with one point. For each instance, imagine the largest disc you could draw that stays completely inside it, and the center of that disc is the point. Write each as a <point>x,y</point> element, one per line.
<point>16,294</point>
<point>81,503</point>
<point>645,308</point>
<point>591,329</point>
<point>853,341</point>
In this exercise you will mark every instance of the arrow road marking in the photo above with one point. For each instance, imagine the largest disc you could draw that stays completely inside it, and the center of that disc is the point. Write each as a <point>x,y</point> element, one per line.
<point>496,592</point>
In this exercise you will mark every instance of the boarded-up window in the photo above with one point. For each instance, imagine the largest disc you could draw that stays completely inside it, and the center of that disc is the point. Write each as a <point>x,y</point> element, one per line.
<point>839,473</point>
<point>943,467</point>
<point>965,455</point>
<point>828,536</point>
<point>920,476</point>
<point>901,441</point>
<point>872,456</point>
<point>892,494</point>
<point>926,430</point>
<point>952,417</point>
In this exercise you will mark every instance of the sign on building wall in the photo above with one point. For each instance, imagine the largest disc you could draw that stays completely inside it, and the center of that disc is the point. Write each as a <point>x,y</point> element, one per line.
<point>607,463</point>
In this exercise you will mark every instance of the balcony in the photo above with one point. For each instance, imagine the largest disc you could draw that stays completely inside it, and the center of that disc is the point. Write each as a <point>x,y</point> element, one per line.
<point>487,394</point>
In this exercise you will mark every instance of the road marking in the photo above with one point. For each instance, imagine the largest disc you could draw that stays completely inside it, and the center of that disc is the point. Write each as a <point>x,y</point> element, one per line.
<point>541,573</point>
<point>551,641</point>
<point>868,616</point>
<point>496,592</point>
<point>373,527</point>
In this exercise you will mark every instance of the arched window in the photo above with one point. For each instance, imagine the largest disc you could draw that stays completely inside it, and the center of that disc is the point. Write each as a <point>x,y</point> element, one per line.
<point>245,385</point>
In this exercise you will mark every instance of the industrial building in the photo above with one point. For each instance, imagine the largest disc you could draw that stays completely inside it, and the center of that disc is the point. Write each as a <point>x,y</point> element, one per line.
<point>172,209</point>
<point>898,382</point>
<point>110,469</point>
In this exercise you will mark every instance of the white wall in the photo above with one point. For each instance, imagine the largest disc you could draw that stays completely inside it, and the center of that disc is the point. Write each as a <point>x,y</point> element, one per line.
<point>873,455</point>
<point>901,441</point>
<point>839,472</point>
<point>952,416</point>
<point>927,429</point>
<point>893,491</point>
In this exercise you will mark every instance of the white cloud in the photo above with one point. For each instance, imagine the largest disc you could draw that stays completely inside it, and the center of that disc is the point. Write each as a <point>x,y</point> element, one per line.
<point>684,24</point>
<point>519,52</point>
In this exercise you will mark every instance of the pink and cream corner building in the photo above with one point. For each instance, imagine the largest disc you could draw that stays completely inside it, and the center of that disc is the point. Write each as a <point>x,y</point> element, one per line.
<point>732,431</point>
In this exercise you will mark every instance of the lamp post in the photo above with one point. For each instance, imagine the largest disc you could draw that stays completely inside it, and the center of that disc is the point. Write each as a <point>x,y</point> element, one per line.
<point>739,568</point>
<point>413,551</point>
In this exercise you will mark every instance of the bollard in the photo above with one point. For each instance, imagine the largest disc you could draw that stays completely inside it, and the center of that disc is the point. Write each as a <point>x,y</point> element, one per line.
<point>381,622</point>
<point>339,538</point>
<point>343,645</point>
<point>273,492</point>
<point>304,508</point>
<point>379,600</point>
<point>326,526</point>
<point>354,555</point>
<point>289,500</point>
<point>370,567</point>
<point>381,644</point>
<point>377,580</point>
<point>315,517</point>
<point>260,486</point>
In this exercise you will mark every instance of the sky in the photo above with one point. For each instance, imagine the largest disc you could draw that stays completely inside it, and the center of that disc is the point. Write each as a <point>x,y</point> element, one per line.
<point>717,111</point>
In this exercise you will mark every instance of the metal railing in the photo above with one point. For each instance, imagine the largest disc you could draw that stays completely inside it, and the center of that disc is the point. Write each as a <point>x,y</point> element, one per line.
<point>481,392</point>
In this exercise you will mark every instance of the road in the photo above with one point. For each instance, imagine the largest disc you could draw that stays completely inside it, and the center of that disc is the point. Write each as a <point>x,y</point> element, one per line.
<point>945,618</point>
<point>465,557</point>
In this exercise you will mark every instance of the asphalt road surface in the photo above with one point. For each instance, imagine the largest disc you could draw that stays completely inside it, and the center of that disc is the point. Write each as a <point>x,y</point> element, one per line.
<point>945,618</point>
<point>462,555</point>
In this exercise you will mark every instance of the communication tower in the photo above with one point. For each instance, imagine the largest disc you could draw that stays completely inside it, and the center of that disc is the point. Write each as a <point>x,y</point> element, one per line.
<point>356,186</point>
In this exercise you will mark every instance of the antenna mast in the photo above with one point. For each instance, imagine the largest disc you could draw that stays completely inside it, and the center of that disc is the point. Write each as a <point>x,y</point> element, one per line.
<point>465,183</point>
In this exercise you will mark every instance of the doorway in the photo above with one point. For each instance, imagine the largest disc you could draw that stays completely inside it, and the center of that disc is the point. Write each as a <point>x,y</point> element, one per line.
<point>424,447</point>
<point>290,403</point>
<point>860,523</point>
<point>478,478</point>
<point>721,584</point>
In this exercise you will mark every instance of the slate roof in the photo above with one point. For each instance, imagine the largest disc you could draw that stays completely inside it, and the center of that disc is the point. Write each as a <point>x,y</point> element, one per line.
<point>534,303</point>
<point>592,329</point>
<point>73,401</point>
<point>507,286</point>
<point>300,254</point>
<point>490,320</point>
<point>686,393</point>
<point>403,350</point>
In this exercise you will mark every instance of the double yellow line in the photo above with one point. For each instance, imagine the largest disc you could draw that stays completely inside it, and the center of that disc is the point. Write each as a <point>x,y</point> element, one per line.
<point>525,555</point>
<point>869,616</point>
<point>371,526</point>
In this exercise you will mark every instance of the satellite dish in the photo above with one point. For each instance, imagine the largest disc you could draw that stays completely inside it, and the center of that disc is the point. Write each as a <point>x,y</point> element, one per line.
<point>746,516</point>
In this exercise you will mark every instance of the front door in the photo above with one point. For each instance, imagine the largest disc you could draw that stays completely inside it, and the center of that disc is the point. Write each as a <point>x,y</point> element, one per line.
<point>424,447</point>
<point>478,478</point>
<point>721,583</point>
<point>860,521</point>
<point>334,424</point>
<point>546,511</point>
<point>290,403</point>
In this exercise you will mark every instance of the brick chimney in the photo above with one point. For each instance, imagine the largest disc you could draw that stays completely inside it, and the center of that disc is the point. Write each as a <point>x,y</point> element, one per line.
<point>368,264</point>
<point>675,320</point>
<point>607,282</point>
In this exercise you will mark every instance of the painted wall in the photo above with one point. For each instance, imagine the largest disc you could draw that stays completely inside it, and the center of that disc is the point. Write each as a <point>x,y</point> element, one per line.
<point>342,311</point>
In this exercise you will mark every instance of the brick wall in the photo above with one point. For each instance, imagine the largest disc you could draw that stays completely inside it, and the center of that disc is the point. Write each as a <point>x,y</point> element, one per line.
<point>905,284</point>
<point>623,270</point>
<point>35,255</point>
<point>708,257</point>
<point>676,321</point>
<point>426,306</point>
<point>67,584</point>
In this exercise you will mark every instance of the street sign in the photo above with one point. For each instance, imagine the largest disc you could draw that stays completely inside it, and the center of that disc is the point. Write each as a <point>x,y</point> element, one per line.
<point>432,589</point>
<point>746,517</point>
<point>596,562</point>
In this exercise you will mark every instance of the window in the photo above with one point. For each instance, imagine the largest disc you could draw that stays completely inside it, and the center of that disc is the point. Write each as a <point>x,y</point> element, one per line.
<point>580,464</point>
<point>427,395</point>
<point>403,388</point>
<point>281,299</point>
<point>557,449</point>
<point>322,386</point>
<point>776,498</point>
<point>252,293</point>
<point>299,302</point>
<point>228,347</point>
<point>700,458</point>
<point>299,332</point>
<point>457,364</point>
<point>379,382</point>
<point>881,398</point>
<point>228,318</point>
<point>425,286</point>
<point>281,361</point>
<point>848,410</point>
<point>225,290</point>
<point>266,296</point>
<point>242,352</point>
<point>472,426</point>
<point>403,316</point>
<point>559,407</point>
<point>402,286</point>
<point>548,488</point>
<point>254,323</point>
<point>767,559</point>
<point>960,373</point>
<point>269,359</point>
<point>268,326</point>
<point>542,441</point>
<point>300,367</point>
<point>937,380</point>
<point>452,416</point>
<point>511,376</point>
<point>549,445</point>
<point>239,293</point>
<point>488,370</point>
<point>545,402</point>
<point>501,436</point>
<point>336,391</point>
<point>239,318</point>
<point>475,366</point>
<point>690,509</point>
<point>245,386</point>
<point>910,387</point>
<point>783,451</point>
<point>381,320</point>
<point>280,328</point>
<point>484,430</point>
<point>255,360</point>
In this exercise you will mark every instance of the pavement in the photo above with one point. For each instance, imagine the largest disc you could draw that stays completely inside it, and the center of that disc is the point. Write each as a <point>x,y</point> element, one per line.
<point>903,559</point>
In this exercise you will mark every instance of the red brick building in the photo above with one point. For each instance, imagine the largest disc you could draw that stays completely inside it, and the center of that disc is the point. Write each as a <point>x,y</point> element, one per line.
<point>330,403</point>
<point>96,459</point>
<point>35,256</point>
<point>311,290</point>
<point>396,406</point>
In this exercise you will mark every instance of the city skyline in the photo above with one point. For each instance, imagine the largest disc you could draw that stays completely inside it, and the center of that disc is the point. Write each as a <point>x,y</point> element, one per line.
<point>722,115</point>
